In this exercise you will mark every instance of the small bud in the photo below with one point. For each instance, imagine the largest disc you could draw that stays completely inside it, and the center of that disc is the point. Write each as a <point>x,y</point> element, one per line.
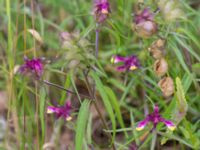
<point>167,86</point>
<point>160,67</point>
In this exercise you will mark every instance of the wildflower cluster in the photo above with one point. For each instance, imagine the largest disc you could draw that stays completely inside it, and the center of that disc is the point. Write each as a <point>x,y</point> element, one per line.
<point>145,26</point>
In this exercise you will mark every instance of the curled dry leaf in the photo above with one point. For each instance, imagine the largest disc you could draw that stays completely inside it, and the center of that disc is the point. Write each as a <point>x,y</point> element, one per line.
<point>160,67</point>
<point>167,86</point>
<point>36,35</point>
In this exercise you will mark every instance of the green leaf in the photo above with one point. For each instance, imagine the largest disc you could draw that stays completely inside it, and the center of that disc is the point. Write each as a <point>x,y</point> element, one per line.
<point>41,113</point>
<point>180,100</point>
<point>116,106</point>
<point>179,56</point>
<point>81,124</point>
<point>74,86</point>
<point>100,87</point>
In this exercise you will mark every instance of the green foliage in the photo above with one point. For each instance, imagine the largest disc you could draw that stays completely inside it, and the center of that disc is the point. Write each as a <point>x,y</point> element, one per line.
<point>65,61</point>
<point>107,103</point>
<point>82,124</point>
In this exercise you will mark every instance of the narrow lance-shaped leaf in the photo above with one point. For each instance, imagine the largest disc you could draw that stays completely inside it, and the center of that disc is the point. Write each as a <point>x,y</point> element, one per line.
<point>82,124</point>
<point>100,87</point>
<point>181,103</point>
<point>116,106</point>
<point>42,106</point>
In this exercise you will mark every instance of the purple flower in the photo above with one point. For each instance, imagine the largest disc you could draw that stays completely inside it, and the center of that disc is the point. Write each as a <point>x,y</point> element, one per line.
<point>129,62</point>
<point>61,111</point>
<point>32,67</point>
<point>144,23</point>
<point>101,10</point>
<point>155,118</point>
<point>144,16</point>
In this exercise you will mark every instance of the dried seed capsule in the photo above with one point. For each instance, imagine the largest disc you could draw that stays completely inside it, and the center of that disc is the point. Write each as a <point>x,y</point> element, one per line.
<point>160,67</point>
<point>144,23</point>
<point>160,43</point>
<point>157,48</point>
<point>155,53</point>
<point>146,29</point>
<point>167,86</point>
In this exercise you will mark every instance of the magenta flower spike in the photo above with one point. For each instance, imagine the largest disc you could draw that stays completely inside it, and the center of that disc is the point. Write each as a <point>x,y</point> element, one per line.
<point>144,16</point>
<point>101,10</point>
<point>155,118</point>
<point>61,111</point>
<point>129,62</point>
<point>32,67</point>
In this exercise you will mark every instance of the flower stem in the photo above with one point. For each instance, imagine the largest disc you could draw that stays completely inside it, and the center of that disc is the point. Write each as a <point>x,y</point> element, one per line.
<point>97,42</point>
<point>62,88</point>
<point>96,106</point>
<point>153,142</point>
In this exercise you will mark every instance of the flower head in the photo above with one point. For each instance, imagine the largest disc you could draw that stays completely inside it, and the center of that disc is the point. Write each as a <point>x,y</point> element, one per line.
<point>155,118</point>
<point>129,62</point>
<point>145,15</point>
<point>144,23</point>
<point>61,111</point>
<point>101,10</point>
<point>32,67</point>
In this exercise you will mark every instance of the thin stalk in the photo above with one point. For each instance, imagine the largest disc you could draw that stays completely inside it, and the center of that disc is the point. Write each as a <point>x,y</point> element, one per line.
<point>24,116</point>
<point>153,142</point>
<point>10,85</point>
<point>97,108</point>
<point>36,84</point>
<point>62,88</point>
<point>37,116</point>
<point>97,41</point>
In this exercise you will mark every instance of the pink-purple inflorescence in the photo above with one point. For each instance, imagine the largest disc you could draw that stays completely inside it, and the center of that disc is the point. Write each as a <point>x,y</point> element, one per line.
<point>155,118</point>
<point>61,111</point>
<point>101,10</point>
<point>145,15</point>
<point>32,67</point>
<point>129,62</point>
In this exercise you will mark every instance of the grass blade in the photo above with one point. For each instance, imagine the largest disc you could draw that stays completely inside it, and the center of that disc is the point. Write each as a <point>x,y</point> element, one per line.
<point>82,124</point>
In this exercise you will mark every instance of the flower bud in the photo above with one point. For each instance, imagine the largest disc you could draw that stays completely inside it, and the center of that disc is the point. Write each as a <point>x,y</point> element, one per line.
<point>101,10</point>
<point>167,86</point>
<point>160,67</point>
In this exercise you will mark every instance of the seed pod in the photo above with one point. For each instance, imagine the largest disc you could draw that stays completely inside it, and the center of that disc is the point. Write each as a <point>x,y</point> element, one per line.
<point>167,86</point>
<point>157,48</point>
<point>160,67</point>
<point>146,29</point>
<point>155,53</point>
